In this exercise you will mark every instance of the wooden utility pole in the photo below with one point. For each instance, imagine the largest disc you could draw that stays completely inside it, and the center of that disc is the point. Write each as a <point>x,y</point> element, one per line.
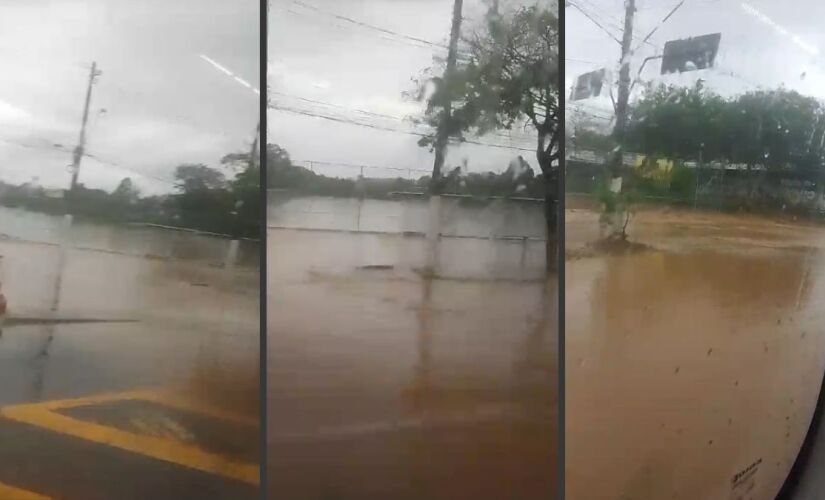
<point>443,131</point>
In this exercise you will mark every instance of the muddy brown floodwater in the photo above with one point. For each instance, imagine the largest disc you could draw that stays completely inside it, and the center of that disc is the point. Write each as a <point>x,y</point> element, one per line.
<point>692,358</point>
<point>383,384</point>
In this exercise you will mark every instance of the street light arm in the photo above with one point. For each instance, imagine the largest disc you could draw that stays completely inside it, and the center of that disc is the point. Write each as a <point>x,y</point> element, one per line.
<point>639,73</point>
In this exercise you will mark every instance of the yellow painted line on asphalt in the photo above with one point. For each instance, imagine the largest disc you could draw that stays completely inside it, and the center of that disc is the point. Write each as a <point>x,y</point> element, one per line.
<point>162,397</point>
<point>44,415</point>
<point>62,404</point>
<point>174,400</point>
<point>11,493</point>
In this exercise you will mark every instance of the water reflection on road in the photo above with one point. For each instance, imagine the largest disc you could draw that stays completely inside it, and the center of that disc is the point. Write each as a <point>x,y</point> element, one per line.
<point>690,360</point>
<point>384,384</point>
<point>195,343</point>
<point>191,318</point>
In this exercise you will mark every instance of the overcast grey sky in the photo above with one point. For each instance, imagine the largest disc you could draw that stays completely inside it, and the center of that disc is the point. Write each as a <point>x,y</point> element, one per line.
<point>757,49</point>
<point>165,104</point>
<point>318,57</point>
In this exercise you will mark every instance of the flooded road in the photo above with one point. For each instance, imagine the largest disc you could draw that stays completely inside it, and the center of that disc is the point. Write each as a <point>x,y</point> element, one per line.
<point>129,410</point>
<point>693,365</point>
<point>384,384</point>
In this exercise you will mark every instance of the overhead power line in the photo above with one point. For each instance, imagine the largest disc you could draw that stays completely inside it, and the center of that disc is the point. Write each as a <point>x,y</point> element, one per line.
<point>332,105</point>
<point>377,35</point>
<point>389,129</point>
<point>368,25</point>
<point>663,21</point>
<point>594,21</point>
<point>380,33</point>
<point>130,169</point>
<point>615,20</point>
<point>342,120</point>
<point>612,20</point>
<point>46,147</point>
<point>382,115</point>
<point>63,149</point>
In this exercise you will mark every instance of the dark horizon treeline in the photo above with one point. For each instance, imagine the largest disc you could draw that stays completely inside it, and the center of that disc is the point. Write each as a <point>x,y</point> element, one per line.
<point>203,199</point>
<point>517,180</point>
<point>774,138</point>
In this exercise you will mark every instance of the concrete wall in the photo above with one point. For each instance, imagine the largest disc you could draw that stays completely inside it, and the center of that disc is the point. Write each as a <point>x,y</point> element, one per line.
<point>129,240</point>
<point>479,239</point>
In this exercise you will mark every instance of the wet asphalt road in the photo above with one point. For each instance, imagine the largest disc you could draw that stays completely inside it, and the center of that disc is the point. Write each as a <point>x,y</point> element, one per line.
<point>71,423</point>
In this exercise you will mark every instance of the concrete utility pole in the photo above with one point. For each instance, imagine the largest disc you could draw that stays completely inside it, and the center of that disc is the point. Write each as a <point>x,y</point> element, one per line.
<point>624,70</point>
<point>442,134</point>
<point>81,143</point>
<point>625,85</point>
<point>77,155</point>
<point>624,89</point>
<point>442,138</point>
<point>615,161</point>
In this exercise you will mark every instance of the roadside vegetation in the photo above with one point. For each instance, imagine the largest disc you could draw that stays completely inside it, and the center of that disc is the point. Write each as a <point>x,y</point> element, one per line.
<point>204,198</point>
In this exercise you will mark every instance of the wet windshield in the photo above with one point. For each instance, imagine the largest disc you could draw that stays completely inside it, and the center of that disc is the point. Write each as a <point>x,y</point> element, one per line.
<point>129,237</point>
<point>694,144</point>
<point>412,170</point>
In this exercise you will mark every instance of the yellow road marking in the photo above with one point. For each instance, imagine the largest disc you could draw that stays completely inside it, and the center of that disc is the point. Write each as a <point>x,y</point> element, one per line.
<point>59,404</point>
<point>11,493</point>
<point>44,415</point>
<point>164,398</point>
<point>173,400</point>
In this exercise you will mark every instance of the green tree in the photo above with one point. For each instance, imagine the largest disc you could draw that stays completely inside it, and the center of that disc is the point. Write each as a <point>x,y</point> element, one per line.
<point>772,132</point>
<point>282,174</point>
<point>510,79</point>
<point>126,192</point>
<point>678,122</point>
<point>204,201</point>
<point>198,177</point>
<point>278,164</point>
<point>778,129</point>
<point>246,193</point>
